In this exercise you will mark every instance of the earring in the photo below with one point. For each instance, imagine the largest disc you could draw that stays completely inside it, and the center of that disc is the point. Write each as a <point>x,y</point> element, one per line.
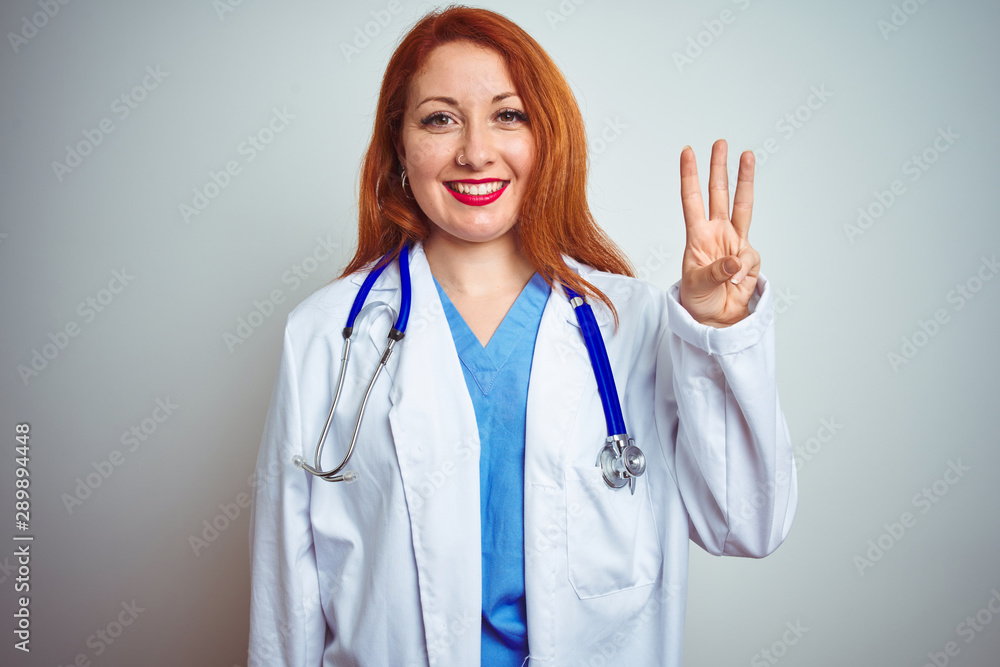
<point>402,177</point>
<point>460,159</point>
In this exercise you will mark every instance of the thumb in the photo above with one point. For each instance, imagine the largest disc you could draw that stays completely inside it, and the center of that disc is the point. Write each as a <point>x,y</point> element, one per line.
<point>718,272</point>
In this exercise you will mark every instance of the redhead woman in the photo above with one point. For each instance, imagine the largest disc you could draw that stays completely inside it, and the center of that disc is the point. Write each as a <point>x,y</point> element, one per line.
<point>526,437</point>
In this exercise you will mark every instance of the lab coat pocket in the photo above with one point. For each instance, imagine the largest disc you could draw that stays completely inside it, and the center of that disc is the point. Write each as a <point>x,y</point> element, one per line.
<point>611,535</point>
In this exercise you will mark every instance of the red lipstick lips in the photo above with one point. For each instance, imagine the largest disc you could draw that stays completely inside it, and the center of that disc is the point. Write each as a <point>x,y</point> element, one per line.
<point>478,200</point>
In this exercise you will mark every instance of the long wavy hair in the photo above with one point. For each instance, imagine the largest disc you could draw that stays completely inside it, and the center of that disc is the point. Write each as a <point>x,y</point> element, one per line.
<point>554,217</point>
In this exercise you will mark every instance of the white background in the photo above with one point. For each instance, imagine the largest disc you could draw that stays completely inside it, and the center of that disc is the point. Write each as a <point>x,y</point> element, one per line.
<point>846,299</point>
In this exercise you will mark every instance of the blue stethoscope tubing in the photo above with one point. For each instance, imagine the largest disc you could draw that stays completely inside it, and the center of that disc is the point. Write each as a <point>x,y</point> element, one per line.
<point>404,306</point>
<point>621,462</point>
<point>396,334</point>
<point>599,360</point>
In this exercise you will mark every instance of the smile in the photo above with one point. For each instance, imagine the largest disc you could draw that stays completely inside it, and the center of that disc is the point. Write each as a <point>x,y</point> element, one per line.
<point>475,188</point>
<point>476,194</point>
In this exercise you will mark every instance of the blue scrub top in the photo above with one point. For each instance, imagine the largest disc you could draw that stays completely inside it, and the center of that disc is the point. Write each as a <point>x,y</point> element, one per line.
<point>497,378</point>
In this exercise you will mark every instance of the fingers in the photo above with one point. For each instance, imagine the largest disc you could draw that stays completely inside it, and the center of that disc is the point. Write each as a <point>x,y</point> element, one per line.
<point>743,200</point>
<point>749,260</point>
<point>691,202</point>
<point>707,278</point>
<point>732,268</point>
<point>718,189</point>
<point>718,182</point>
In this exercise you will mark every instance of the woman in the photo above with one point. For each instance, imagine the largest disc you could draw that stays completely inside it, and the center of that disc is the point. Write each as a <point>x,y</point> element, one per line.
<point>479,528</point>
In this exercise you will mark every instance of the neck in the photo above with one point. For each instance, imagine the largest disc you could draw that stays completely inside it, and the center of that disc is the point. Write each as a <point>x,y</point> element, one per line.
<point>478,269</point>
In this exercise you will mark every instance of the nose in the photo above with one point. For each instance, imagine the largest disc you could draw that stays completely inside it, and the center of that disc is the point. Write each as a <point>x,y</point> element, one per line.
<point>479,149</point>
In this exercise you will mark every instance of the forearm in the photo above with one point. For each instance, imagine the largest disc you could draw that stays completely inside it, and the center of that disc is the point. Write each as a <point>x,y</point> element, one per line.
<point>733,455</point>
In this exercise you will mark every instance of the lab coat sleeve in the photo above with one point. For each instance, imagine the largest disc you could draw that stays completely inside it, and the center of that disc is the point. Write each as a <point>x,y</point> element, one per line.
<point>286,621</point>
<point>732,455</point>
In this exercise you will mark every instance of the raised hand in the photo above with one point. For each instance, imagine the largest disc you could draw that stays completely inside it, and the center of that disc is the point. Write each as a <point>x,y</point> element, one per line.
<point>719,269</point>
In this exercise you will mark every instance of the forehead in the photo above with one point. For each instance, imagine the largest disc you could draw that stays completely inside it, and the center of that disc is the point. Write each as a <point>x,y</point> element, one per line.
<point>461,70</point>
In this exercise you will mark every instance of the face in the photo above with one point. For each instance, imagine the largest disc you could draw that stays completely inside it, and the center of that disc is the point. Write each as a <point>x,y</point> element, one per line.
<point>463,105</point>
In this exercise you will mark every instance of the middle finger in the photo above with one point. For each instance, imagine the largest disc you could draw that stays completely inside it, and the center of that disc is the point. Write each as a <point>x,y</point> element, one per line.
<point>718,183</point>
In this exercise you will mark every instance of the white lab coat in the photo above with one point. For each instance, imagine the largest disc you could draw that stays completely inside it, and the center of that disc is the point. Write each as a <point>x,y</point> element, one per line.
<point>387,570</point>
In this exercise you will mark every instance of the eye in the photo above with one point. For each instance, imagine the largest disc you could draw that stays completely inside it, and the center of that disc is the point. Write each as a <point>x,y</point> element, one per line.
<point>434,118</point>
<point>511,116</point>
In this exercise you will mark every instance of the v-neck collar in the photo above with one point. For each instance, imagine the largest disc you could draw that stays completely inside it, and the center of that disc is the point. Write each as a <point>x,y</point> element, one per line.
<point>484,363</point>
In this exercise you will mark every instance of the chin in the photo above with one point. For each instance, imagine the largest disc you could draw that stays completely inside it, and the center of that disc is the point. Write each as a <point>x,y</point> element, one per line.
<point>474,232</point>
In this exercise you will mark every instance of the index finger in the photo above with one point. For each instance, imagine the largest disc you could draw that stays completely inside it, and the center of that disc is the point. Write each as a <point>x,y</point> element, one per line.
<point>691,202</point>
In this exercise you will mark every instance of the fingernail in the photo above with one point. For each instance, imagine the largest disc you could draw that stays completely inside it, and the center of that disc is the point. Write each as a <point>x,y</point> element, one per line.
<point>685,148</point>
<point>731,266</point>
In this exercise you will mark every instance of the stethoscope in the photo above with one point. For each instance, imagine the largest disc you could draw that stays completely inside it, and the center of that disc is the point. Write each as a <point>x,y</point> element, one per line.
<point>620,460</point>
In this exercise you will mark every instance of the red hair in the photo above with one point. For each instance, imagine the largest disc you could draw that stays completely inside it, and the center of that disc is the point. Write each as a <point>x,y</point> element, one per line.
<point>554,217</point>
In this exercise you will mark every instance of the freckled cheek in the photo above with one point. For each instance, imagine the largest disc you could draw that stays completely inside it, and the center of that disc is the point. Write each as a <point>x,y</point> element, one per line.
<point>522,158</point>
<point>428,158</point>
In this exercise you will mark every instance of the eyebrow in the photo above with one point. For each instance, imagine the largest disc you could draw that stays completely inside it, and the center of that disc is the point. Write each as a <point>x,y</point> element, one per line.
<point>453,102</point>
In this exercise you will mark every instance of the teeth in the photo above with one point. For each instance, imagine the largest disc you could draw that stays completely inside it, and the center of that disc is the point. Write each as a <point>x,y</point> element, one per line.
<point>477,189</point>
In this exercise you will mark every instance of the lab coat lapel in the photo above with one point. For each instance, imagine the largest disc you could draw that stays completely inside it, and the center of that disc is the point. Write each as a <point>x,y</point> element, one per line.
<point>561,376</point>
<point>436,438</point>
<point>560,370</point>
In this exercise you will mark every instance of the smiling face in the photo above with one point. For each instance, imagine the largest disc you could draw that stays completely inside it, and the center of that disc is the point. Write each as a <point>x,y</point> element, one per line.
<point>462,104</point>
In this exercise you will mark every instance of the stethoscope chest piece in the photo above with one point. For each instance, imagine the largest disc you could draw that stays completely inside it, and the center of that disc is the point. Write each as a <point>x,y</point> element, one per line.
<point>621,463</point>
